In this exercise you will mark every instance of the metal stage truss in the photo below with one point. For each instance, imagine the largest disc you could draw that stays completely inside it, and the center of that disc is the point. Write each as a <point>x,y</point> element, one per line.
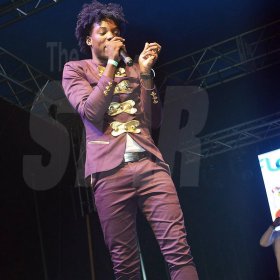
<point>254,50</point>
<point>232,138</point>
<point>15,10</point>
<point>209,67</point>
<point>227,60</point>
<point>19,82</point>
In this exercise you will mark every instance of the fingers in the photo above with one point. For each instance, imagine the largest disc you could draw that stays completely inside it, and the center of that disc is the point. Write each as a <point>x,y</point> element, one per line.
<point>151,49</point>
<point>152,46</point>
<point>117,42</point>
<point>149,56</point>
<point>118,39</point>
<point>155,47</point>
<point>146,46</point>
<point>150,60</point>
<point>113,47</point>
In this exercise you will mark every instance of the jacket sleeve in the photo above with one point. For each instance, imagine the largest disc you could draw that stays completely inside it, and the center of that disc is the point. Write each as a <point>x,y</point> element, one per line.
<point>91,102</point>
<point>151,105</point>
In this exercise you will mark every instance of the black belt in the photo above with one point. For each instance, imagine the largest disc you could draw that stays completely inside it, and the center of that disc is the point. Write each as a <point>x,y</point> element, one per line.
<point>132,157</point>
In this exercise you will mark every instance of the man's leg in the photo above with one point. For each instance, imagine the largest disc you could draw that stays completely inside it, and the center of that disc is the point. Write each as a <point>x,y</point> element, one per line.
<point>116,206</point>
<point>159,202</point>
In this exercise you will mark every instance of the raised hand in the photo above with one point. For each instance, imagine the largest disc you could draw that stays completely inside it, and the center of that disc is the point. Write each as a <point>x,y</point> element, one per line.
<point>148,57</point>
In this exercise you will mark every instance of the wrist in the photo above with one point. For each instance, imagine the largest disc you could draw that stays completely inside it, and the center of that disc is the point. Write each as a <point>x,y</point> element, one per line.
<point>145,71</point>
<point>147,75</point>
<point>113,62</point>
<point>147,83</point>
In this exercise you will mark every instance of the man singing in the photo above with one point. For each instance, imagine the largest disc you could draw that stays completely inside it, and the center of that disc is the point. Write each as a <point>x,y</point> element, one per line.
<point>119,105</point>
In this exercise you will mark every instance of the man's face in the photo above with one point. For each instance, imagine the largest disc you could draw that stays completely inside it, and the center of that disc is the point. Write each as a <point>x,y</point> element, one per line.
<point>102,33</point>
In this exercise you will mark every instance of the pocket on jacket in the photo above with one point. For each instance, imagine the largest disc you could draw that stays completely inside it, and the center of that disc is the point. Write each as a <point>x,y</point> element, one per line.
<point>99,142</point>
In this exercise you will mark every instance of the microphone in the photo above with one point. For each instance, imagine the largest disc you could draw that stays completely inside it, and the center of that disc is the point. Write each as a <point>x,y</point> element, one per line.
<point>125,57</point>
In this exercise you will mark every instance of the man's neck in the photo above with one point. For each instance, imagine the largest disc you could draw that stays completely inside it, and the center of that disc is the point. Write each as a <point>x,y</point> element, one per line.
<point>99,61</point>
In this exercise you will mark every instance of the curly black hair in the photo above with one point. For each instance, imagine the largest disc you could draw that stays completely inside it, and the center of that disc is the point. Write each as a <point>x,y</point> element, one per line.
<point>95,12</point>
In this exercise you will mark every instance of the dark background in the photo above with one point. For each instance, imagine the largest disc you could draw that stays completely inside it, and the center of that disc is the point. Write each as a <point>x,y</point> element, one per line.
<point>44,234</point>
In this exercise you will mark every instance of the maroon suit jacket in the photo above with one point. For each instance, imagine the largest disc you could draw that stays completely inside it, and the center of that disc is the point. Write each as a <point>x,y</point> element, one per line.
<point>91,94</point>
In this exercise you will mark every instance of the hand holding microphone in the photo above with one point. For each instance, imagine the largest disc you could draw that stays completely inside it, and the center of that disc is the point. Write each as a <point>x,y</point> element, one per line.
<point>116,50</point>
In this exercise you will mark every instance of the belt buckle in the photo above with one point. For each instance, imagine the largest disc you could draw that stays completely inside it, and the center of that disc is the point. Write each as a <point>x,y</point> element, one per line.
<point>133,157</point>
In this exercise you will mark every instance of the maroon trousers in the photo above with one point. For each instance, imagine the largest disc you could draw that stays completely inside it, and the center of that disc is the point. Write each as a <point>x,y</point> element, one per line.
<point>144,185</point>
